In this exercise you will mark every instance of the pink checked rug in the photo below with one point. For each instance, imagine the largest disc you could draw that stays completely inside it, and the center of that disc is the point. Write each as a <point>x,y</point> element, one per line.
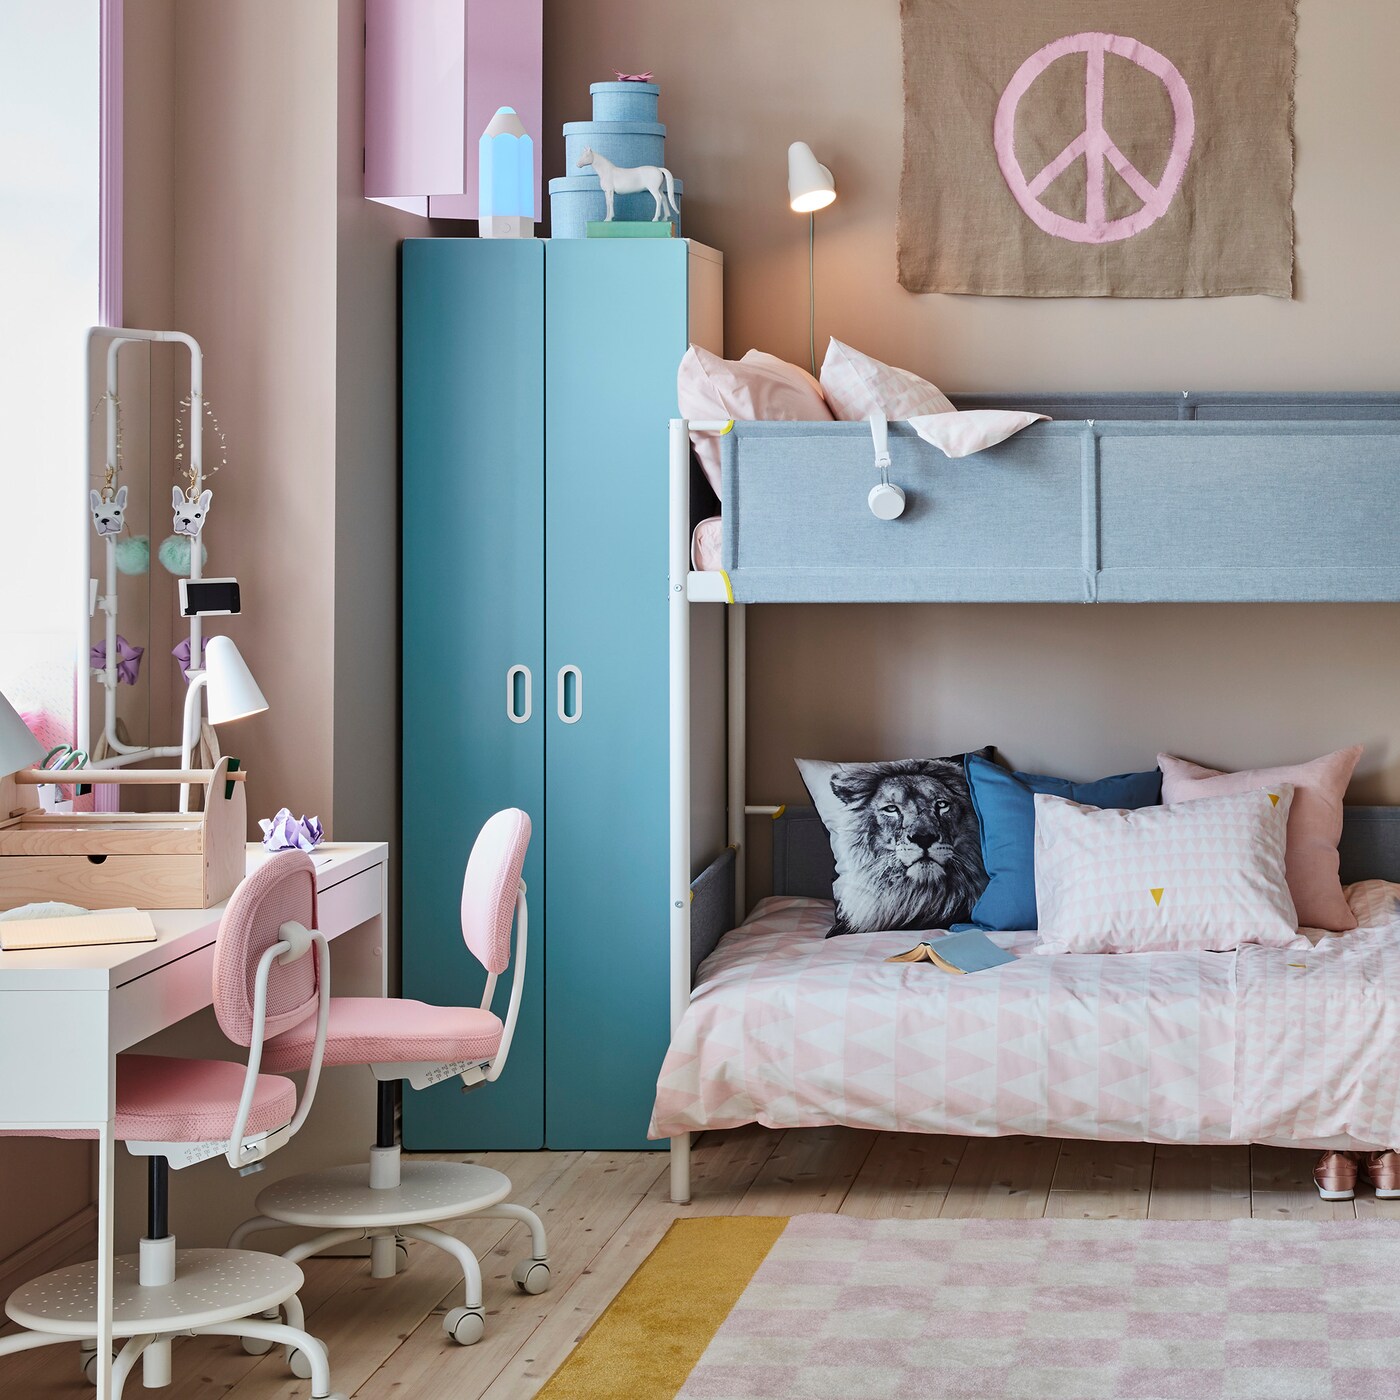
<point>844,1309</point>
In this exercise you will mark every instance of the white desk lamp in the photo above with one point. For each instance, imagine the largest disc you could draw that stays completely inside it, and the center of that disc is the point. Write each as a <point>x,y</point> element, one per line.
<point>233,694</point>
<point>811,186</point>
<point>18,746</point>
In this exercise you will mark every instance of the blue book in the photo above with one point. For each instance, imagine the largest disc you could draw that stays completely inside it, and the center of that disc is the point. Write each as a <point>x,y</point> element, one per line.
<point>957,952</point>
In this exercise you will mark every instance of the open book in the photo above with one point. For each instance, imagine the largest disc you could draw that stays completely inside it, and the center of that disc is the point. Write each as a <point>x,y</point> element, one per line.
<point>957,952</point>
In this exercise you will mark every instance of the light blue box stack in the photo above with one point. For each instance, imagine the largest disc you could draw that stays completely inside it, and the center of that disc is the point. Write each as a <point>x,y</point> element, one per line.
<point>625,131</point>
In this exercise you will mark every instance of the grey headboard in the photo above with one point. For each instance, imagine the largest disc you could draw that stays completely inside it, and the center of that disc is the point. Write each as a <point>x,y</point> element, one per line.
<point>802,862</point>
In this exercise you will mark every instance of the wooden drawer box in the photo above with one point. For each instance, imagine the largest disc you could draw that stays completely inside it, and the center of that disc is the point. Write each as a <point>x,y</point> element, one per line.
<point>153,860</point>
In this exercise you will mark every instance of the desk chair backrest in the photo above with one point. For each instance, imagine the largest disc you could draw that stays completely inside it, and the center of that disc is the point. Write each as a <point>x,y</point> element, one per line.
<point>264,982</point>
<point>281,891</point>
<point>491,887</point>
<point>493,899</point>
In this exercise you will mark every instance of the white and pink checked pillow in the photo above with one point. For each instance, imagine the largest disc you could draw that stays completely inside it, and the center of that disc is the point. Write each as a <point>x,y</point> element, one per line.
<point>1195,877</point>
<point>855,384</point>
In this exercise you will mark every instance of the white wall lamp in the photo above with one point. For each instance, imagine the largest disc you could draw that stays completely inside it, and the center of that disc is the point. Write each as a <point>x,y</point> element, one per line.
<point>232,693</point>
<point>811,186</point>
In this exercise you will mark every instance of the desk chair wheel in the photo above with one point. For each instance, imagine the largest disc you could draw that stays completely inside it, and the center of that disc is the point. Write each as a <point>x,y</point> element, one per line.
<point>466,1326</point>
<point>87,1362</point>
<point>298,1363</point>
<point>531,1276</point>
<point>260,1346</point>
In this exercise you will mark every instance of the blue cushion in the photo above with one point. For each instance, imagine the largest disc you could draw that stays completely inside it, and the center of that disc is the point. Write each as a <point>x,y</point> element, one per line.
<point>1005,805</point>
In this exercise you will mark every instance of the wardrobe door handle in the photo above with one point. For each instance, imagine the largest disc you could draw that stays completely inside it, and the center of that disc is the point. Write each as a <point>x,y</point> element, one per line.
<point>570,694</point>
<point>519,704</point>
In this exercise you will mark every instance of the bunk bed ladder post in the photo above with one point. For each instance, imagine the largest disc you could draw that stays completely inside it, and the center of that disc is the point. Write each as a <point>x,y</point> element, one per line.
<point>679,608</point>
<point>736,615</point>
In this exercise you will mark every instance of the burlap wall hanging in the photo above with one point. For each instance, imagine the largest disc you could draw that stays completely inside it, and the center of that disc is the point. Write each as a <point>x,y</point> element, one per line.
<point>1060,148</point>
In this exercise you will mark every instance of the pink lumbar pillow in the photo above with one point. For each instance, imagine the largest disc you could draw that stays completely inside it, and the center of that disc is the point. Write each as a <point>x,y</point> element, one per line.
<point>855,385</point>
<point>706,544</point>
<point>1314,824</point>
<point>962,434</point>
<point>758,387</point>
<point>1198,877</point>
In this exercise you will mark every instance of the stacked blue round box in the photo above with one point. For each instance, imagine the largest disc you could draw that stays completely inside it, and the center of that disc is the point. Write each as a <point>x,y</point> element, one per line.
<point>623,130</point>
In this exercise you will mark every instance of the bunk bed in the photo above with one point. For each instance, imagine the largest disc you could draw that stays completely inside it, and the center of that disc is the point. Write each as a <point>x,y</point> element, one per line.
<point>1140,497</point>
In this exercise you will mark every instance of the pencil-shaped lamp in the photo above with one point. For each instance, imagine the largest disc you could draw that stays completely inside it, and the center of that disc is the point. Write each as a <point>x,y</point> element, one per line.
<point>507,191</point>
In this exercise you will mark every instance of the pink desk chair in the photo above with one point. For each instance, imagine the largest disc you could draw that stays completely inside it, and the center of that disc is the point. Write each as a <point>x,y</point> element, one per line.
<point>388,1199</point>
<point>177,1112</point>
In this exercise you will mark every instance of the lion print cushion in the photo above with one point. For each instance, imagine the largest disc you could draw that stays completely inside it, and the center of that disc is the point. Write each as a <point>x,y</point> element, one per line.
<point>904,834</point>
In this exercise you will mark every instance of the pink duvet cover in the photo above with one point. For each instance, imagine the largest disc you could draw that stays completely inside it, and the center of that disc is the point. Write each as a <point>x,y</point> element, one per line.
<point>790,1029</point>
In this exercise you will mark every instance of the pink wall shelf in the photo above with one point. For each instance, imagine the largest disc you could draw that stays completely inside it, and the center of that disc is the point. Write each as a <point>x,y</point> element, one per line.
<point>435,73</point>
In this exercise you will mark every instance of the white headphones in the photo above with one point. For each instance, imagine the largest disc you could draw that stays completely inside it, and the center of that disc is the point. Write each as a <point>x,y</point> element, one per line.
<point>886,500</point>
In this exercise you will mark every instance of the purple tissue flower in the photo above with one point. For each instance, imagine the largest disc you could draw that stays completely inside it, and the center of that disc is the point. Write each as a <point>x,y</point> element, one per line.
<point>288,833</point>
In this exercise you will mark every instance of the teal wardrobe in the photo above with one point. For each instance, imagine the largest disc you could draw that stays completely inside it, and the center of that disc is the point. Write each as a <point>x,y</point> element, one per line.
<point>538,378</point>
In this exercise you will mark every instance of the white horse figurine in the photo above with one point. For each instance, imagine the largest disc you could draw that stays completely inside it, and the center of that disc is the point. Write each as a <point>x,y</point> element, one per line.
<point>623,179</point>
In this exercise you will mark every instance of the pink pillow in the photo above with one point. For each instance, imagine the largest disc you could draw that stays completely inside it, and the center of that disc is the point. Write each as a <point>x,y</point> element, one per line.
<point>1314,825</point>
<point>706,542</point>
<point>854,384</point>
<point>1197,877</point>
<point>758,387</point>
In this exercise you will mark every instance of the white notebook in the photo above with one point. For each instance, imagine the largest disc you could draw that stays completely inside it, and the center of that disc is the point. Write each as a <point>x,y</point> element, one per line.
<point>77,930</point>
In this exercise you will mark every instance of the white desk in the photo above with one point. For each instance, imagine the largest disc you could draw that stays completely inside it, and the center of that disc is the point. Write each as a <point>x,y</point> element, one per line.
<point>65,1015</point>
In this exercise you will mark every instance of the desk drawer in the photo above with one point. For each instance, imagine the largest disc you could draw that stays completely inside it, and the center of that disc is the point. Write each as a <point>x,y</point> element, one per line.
<point>347,904</point>
<point>113,882</point>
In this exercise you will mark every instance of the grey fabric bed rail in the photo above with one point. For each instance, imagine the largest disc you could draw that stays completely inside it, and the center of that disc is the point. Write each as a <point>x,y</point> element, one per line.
<point>712,907</point>
<point>1136,498</point>
<point>803,864</point>
<point>1156,405</point>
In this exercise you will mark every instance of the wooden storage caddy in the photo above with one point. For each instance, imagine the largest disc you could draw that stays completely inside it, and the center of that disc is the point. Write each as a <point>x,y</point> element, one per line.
<point>153,860</point>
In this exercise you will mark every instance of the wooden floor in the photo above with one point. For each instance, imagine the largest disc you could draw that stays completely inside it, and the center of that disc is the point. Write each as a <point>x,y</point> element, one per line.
<point>605,1211</point>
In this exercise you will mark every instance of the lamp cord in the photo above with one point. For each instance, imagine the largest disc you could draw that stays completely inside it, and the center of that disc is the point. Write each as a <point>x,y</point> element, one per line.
<point>812,291</point>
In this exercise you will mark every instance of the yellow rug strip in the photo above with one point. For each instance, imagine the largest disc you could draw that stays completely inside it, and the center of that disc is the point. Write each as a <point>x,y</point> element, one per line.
<point>651,1335</point>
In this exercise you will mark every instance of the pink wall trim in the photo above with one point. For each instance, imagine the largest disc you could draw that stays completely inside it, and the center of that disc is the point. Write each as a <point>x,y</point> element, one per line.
<point>109,254</point>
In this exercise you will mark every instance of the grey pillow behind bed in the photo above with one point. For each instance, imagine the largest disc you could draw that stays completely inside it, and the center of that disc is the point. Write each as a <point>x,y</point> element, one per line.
<point>905,838</point>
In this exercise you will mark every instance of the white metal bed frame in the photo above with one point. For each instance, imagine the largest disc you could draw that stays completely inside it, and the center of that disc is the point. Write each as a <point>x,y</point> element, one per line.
<point>1369,839</point>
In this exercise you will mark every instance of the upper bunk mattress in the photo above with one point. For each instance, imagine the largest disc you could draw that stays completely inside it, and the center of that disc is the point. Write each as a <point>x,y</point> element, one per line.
<point>790,1029</point>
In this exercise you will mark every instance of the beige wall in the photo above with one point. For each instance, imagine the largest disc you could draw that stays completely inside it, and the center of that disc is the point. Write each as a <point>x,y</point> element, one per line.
<point>255,282</point>
<point>1083,691</point>
<point>245,227</point>
<point>365,703</point>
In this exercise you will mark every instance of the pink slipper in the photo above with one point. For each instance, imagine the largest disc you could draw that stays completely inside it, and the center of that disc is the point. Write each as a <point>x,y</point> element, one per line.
<point>1382,1170</point>
<point>1335,1175</point>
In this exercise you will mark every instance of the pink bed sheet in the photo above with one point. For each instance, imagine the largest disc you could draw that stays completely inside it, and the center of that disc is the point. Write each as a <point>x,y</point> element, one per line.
<point>789,1029</point>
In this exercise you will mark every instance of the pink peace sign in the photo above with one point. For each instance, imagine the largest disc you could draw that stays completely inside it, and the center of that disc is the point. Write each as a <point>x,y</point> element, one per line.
<point>1094,143</point>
